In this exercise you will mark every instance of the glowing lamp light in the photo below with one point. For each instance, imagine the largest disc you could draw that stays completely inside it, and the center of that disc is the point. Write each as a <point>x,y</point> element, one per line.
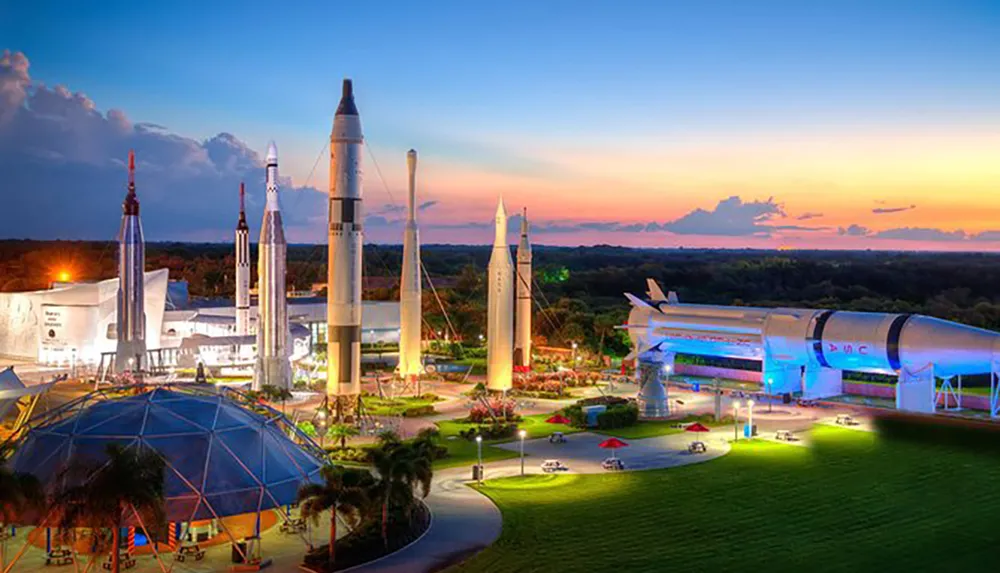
<point>479,439</point>
<point>64,276</point>
<point>523,434</point>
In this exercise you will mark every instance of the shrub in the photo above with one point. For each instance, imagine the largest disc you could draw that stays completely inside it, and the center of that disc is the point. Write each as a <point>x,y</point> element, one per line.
<point>490,432</point>
<point>429,396</point>
<point>417,411</point>
<point>502,409</point>
<point>349,454</point>
<point>618,417</point>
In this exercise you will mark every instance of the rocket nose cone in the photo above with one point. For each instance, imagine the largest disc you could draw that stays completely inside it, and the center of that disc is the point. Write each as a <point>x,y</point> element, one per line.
<point>347,106</point>
<point>272,151</point>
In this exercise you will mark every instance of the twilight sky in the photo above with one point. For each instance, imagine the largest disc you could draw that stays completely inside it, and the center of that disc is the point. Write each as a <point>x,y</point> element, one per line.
<point>848,124</point>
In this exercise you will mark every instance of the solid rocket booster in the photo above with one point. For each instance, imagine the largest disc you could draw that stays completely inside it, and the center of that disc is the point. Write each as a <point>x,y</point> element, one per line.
<point>242,270</point>
<point>522,336</point>
<point>344,256</point>
<point>131,320</point>
<point>409,286</point>
<point>500,310</point>
<point>272,367</point>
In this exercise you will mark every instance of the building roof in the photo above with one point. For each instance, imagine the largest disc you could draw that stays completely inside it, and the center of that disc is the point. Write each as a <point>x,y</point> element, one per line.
<point>222,458</point>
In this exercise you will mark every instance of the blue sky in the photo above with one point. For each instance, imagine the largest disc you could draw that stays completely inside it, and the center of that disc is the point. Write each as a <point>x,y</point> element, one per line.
<point>532,91</point>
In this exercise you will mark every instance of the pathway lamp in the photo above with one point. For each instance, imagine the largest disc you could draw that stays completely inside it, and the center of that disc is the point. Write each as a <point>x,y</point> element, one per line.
<point>479,454</point>
<point>522,433</point>
<point>736,421</point>
<point>750,416</point>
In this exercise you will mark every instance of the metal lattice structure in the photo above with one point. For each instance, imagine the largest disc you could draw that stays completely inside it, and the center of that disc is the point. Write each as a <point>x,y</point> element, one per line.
<point>225,453</point>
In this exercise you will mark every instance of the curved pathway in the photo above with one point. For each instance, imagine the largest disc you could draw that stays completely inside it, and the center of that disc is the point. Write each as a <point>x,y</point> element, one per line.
<point>464,522</point>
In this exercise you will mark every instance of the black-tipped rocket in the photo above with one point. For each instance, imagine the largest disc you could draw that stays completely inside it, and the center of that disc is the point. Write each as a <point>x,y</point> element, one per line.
<point>272,367</point>
<point>242,270</point>
<point>344,255</point>
<point>522,335</point>
<point>409,286</point>
<point>130,354</point>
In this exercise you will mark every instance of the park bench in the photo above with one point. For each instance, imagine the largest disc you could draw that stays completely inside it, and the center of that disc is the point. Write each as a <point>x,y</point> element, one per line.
<point>125,559</point>
<point>185,551</point>
<point>293,526</point>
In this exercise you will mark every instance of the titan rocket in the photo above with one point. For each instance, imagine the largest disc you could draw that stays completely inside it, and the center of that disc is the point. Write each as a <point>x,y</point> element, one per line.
<point>409,286</point>
<point>522,336</point>
<point>131,320</point>
<point>242,270</point>
<point>500,310</point>
<point>272,307</point>
<point>343,292</point>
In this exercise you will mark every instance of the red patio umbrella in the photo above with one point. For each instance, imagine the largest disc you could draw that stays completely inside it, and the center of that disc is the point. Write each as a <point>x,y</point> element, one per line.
<point>612,444</point>
<point>558,419</point>
<point>696,427</point>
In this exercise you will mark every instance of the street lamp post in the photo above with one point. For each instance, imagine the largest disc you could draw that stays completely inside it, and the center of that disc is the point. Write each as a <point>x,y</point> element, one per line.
<point>522,433</point>
<point>736,421</point>
<point>479,454</point>
<point>750,416</point>
<point>574,356</point>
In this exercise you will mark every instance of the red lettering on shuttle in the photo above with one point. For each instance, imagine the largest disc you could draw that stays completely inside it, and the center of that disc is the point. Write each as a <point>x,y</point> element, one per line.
<point>848,349</point>
<point>831,347</point>
<point>863,349</point>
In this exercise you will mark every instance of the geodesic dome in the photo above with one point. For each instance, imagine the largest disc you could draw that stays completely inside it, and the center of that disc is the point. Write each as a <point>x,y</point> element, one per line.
<point>222,458</point>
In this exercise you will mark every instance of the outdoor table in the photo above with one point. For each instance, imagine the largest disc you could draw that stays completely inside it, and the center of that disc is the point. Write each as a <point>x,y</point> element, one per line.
<point>186,551</point>
<point>697,447</point>
<point>59,557</point>
<point>124,558</point>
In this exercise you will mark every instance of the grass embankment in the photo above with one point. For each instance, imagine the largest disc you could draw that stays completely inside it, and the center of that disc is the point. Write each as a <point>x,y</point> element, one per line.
<point>853,502</point>
<point>654,428</point>
<point>463,452</point>
<point>385,407</point>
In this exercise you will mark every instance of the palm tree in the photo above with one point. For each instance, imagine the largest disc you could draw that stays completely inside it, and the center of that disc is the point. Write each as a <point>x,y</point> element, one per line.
<point>19,493</point>
<point>274,393</point>
<point>342,491</point>
<point>128,484</point>
<point>401,468</point>
<point>342,432</point>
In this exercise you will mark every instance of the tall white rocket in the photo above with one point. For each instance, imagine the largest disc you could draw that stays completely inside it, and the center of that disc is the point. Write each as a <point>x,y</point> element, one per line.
<point>409,286</point>
<point>522,336</point>
<point>500,310</point>
<point>242,270</point>
<point>272,367</point>
<point>130,353</point>
<point>343,285</point>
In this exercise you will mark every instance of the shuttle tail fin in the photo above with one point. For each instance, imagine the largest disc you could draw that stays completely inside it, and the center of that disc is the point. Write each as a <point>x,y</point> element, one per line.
<point>655,292</point>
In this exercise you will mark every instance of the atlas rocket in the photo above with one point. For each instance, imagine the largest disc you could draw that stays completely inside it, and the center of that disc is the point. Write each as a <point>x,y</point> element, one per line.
<point>343,306</point>
<point>130,354</point>
<point>242,270</point>
<point>272,367</point>
<point>522,336</point>
<point>500,310</point>
<point>409,287</point>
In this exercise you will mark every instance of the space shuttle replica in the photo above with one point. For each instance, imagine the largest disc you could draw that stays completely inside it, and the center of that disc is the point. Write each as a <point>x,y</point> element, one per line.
<point>500,310</point>
<point>807,350</point>
<point>410,366</point>
<point>522,336</point>
<point>343,291</point>
<point>130,354</point>
<point>272,366</point>
<point>242,270</point>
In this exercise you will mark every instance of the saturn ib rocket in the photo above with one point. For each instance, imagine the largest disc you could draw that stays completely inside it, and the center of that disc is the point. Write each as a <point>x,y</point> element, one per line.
<point>522,336</point>
<point>131,319</point>
<point>500,310</point>
<point>272,367</point>
<point>343,291</point>
<point>242,270</point>
<point>409,287</point>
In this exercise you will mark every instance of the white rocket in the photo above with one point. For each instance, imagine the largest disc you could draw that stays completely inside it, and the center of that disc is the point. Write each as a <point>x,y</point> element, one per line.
<point>409,287</point>
<point>242,271</point>
<point>500,310</point>
<point>343,291</point>
<point>272,365</point>
<point>522,336</point>
<point>130,353</point>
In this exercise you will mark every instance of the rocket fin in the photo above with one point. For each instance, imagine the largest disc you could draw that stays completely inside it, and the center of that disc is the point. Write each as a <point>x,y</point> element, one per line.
<point>636,301</point>
<point>672,298</point>
<point>655,292</point>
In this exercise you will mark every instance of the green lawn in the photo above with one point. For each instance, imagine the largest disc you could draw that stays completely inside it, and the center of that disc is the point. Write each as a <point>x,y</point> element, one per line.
<point>850,503</point>
<point>462,451</point>
<point>384,407</point>
<point>651,429</point>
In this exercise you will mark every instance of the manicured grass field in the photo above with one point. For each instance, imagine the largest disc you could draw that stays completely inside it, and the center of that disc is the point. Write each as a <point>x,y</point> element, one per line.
<point>463,452</point>
<point>384,407</point>
<point>850,503</point>
<point>651,428</point>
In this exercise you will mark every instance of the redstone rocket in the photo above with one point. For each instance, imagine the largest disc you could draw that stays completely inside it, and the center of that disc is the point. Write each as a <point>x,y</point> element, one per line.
<point>409,287</point>
<point>131,319</point>
<point>522,336</point>
<point>500,310</point>
<point>242,271</point>
<point>272,366</point>
<point>343,292</point>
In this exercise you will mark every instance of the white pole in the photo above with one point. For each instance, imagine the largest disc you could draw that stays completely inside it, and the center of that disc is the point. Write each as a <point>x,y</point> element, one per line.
<point>479,454</point>
<point>750,417</point>
<point>523,434</point>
